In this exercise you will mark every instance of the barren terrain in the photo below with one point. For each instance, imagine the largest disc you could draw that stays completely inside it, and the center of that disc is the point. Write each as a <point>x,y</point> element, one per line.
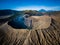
<point>46,31</point>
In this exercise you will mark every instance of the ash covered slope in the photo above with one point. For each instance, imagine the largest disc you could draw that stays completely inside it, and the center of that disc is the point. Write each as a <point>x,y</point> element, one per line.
<point>47,36</point>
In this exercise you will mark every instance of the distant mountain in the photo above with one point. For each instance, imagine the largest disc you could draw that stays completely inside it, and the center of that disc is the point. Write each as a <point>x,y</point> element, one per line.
<point>7,12</point>
<point>42,10</point>
<point>50,11</point>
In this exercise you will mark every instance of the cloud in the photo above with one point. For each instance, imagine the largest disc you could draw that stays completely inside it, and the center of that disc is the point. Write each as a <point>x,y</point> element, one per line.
<point>37,8</point>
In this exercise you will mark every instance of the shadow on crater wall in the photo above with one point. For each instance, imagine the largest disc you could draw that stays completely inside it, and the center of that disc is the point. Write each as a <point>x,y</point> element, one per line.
<point>17,23</point>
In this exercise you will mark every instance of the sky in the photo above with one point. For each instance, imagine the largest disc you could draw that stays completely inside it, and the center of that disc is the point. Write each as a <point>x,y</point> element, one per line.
<point>30,4</point>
